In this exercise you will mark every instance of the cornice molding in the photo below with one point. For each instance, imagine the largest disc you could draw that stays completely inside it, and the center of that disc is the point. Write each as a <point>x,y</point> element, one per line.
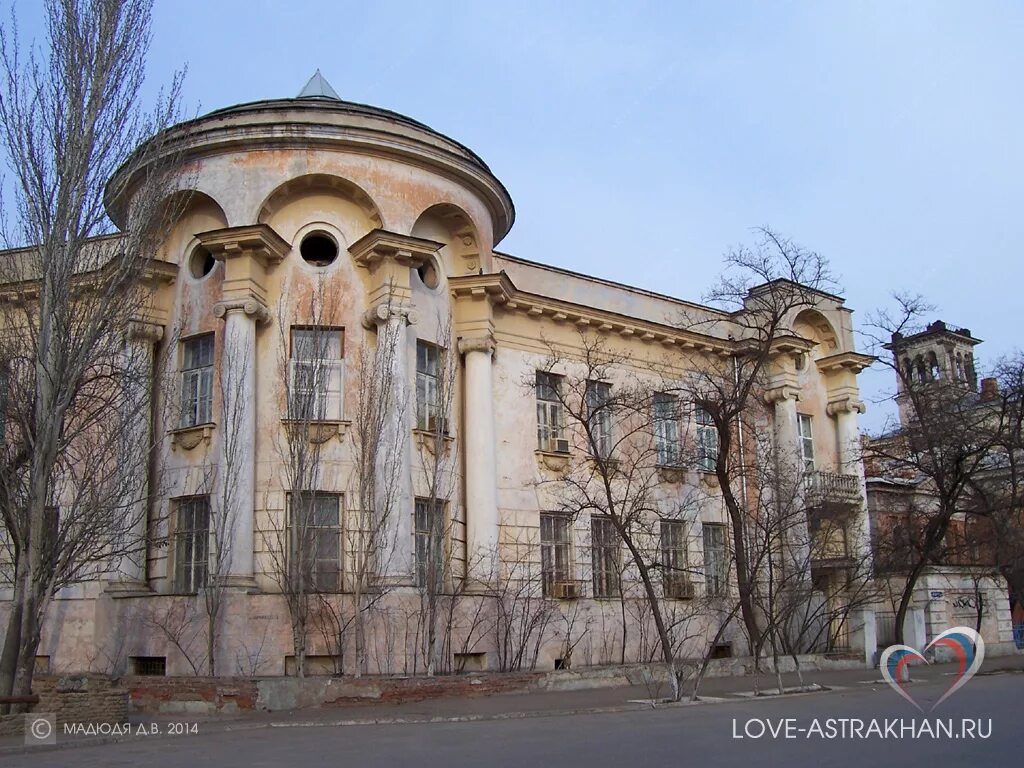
<point>499,289</point>
<point>845,361</point>
<point>259,240</point>
<point>380,244</point>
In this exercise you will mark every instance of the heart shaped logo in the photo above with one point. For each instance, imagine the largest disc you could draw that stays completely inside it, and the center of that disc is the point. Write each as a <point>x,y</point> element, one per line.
<point>967,646</point>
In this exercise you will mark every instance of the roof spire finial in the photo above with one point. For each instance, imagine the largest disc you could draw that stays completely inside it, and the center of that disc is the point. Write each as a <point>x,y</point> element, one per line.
<point>318,88</point>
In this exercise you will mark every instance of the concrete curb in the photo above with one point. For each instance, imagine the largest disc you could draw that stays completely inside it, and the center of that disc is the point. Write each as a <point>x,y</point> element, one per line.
<point>632,706</point>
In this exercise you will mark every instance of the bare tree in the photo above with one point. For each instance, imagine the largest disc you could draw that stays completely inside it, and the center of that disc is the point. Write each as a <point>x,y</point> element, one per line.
<point>304,544</point>
<point>618,476</point>
<point>946,446</point>
<point>763,288</point>
<point>378,426</point>
<point>69,118</point>
<point>437,522</point>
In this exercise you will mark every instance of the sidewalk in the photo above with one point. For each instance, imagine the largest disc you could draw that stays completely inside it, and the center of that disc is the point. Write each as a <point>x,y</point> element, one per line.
<point>505,706</point>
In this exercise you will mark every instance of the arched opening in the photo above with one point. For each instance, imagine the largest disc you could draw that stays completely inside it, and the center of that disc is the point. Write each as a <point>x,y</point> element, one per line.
<point>448,224</point>
<point>318,249</point>
<point>363,206</point>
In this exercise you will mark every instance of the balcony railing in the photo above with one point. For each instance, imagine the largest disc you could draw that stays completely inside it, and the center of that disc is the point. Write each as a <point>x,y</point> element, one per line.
<point>824,487</point>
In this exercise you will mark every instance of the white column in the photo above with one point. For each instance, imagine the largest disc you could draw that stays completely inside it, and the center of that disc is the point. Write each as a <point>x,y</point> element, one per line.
<point>848,438</point>
<point>130,570</point>
<point>786,427</point>
<point>237,429</point>
<point>481,466</point>
<point>393,483</point>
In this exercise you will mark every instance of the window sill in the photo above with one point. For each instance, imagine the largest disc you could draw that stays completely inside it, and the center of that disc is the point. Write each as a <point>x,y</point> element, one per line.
<point>709,479</point>
<point>554,461</point>
<point>190,437</point>
<point>426,440</point>
<point>671,473</point>
<point>316,432</point>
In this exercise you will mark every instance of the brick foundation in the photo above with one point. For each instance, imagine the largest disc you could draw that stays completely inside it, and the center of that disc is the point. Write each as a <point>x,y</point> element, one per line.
<point>93,699</point>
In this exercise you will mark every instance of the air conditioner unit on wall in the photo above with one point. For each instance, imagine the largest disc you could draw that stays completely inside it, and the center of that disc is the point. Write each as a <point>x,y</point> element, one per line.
<point>559,445</point>
<point>678,587</point>
<point>565,590</point>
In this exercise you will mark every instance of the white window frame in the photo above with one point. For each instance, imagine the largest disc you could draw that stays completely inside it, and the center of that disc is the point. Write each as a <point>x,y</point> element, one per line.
<point>716,559</point>
<point>556,557</point>
<point>191,543</point>
<point>324,572</point>
<point>599,395</point>
<point>316,383</point>
<point>429,367</point>
<point>805,432</point>
<point>606,557</point>
<point>429,539</point>
<point>197,381</point>
<point>550,413</point>
<point>707,439</point>
<point>666,429</point>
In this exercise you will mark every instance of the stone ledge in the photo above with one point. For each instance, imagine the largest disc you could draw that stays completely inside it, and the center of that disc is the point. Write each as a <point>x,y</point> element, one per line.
<point>190,437</point>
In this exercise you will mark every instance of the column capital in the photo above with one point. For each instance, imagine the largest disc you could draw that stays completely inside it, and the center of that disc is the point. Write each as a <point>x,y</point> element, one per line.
<point>142,330</point>
<point>482,343</point>
<point>383,312</point>
<point>845,405</point>
<point>782,392</point>
<point>250,307</point>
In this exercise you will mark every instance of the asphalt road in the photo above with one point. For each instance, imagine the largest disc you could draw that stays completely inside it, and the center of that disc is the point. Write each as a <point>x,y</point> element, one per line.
<point>677,736</point>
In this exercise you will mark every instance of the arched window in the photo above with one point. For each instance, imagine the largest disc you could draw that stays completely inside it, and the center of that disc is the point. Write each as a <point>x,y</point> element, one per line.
<point>960,367</point>
<point>919,367</point>
<point>934,372</point>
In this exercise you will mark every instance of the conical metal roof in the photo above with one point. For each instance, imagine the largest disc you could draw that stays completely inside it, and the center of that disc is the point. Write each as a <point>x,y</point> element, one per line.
<point>318,88</point>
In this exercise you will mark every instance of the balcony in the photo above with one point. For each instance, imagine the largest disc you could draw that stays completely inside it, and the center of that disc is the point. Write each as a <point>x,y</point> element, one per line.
<point>825,489</point>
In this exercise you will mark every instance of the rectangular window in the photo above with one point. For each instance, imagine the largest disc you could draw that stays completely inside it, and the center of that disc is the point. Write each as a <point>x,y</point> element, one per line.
<point>707,440</point>
<point>806,427</point>
<point>428,388</point>
<point>666,429</point>
<point>555,551</point>
<point>676,582</point>
<point>607,561</point>
<point>197,381</point>
<point>716,562</point>
<point>429,534</point>
<point>315,541</point>
<point>550,421</point>
<point>599,415</point>
<point>316,374</point>
<point>191,543</point>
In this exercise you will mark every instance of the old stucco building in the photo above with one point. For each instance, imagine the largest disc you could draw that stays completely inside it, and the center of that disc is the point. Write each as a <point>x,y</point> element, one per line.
<point>962,585</point>
<point>363,227</point>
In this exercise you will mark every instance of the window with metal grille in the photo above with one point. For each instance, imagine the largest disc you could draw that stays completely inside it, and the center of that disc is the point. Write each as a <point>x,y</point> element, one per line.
<point>428,388</point>
<point>666,429</point>
<point>599,416</point>
<point>673,547</point>
<point>707,440</point>
<point>555,550</point>
<point>550,414</point>
<point>197,381</point>
<point>806,426</point>
<point>605,557</point>
<point>716,562</point>
<point>428,530</point>
<point>315,541</point>
<point>316,373</point>
<point>149,665</point>
<point>191,543</point>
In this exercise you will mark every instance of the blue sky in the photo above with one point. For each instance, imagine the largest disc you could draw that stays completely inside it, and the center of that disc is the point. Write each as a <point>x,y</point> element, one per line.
<point>640,141</point>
